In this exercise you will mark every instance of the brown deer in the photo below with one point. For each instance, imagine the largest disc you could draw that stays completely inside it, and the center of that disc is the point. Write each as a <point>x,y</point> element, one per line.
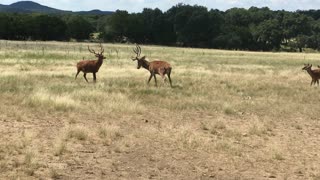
<point>154,67</point>
<point>315,73</point>
<point>91,66</point>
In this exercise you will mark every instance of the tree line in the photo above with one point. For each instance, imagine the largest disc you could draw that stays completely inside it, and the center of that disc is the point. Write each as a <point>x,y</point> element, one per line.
<point>257,29</point>
<point>44,27</point>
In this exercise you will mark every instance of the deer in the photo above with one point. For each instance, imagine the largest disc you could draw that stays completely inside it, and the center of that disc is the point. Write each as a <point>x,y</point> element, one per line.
<point>154,67</point>
<point>315,73</point>
<point>91,66</point>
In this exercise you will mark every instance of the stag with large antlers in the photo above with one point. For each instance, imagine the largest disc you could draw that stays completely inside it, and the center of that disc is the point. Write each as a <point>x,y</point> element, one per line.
<point>154,67</point>
<point>315,73</point>
<point>91,66</point>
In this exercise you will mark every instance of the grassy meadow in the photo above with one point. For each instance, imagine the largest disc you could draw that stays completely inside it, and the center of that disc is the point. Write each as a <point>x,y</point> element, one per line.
<point>229,115</point>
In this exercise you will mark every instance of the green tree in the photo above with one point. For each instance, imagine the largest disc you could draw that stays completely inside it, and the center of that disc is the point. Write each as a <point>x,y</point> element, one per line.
<point>117,26</point>
<point>79,28</point>
<point>237,17</point>
<point>5,26</point>
<point>45,27</point>
<point>294,24</point>
<point>258,15</point>
<point>191,24</point>
<point>156,28</point>
<point>216,20</point>
<point>268,34</point>
<point>136,32</point>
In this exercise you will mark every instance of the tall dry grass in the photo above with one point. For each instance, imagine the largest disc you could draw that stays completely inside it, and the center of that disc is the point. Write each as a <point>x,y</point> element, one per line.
<point>254,111</point>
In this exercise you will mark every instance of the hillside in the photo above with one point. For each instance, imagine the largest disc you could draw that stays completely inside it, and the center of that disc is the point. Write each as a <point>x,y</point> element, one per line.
<point>32,7</point>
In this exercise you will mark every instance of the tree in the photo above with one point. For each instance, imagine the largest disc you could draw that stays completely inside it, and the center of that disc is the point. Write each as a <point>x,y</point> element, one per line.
<point>191,24</point>
<point>156,28</point>
<point>79,28</point>
<point>295,24</point>
<point>258,15</point>
<point>117,26</point>
<point>268,34</point>
<point>136,28</point>
<point>45,27</point>
<point>237,17</point>
<point>234,37</point>
<point>5,26</point>
<point>214,29</point>
<point>182,25</point>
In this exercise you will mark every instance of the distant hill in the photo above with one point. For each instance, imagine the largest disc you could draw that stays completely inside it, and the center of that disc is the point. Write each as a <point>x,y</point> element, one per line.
<point>95,12</point>
<point>32,7</point>
<point>5,8</point>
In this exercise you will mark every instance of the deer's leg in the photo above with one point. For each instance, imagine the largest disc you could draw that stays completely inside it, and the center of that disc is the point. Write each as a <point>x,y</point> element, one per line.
<point>161,72</point>
<point>150,77</point>
<point>77,74</point>
<point>94,77</point>
<point>168,74</point>
<point>163,77</point>
<point>317,82</point>
<point>85,77</point>
<point>155,79</point>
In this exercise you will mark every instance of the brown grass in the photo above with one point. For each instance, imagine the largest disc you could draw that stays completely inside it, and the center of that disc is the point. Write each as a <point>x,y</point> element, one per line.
<point>230,115</point>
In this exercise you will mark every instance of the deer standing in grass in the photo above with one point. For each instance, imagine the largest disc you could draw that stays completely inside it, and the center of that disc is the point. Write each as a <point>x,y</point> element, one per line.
<point>91,66</point>
<point>315,73</point>
<point>154,67</point>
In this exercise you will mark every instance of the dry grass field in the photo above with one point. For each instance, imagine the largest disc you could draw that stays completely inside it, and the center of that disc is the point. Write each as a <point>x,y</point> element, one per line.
<point>229,115</point>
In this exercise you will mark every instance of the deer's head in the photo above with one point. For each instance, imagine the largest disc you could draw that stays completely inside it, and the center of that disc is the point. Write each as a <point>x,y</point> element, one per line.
<point>307,66</point>
<point>99,55</point>
<point>139,59</point>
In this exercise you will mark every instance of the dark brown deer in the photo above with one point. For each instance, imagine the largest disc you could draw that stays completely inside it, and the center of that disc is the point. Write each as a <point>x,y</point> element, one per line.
<point>315,73</point>
<point>91,66</point>
<point>154,67</point>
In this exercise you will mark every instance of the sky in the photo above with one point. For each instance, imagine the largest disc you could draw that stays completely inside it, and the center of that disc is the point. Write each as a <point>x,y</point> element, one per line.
<point>138,5</point>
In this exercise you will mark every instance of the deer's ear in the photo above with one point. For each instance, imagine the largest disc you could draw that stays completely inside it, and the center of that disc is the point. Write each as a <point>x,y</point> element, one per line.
<point>143,58</point>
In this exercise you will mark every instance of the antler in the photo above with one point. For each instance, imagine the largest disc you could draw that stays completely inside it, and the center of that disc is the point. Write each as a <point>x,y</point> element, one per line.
<point>92,51</point>
<point>102,49</point>
<point>137,50</point>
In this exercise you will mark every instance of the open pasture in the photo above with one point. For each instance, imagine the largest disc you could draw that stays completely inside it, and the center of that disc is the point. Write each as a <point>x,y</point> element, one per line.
<point>229,115</point>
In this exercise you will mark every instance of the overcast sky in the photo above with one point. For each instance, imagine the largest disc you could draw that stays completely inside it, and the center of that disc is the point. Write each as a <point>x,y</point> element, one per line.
<point>138,5</point>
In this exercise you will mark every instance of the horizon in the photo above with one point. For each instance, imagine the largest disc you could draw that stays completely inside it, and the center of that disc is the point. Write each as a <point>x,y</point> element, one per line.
<point>134,6</point>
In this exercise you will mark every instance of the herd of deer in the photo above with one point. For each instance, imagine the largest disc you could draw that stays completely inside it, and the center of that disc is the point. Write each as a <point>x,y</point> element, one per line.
<point>154,67</point>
